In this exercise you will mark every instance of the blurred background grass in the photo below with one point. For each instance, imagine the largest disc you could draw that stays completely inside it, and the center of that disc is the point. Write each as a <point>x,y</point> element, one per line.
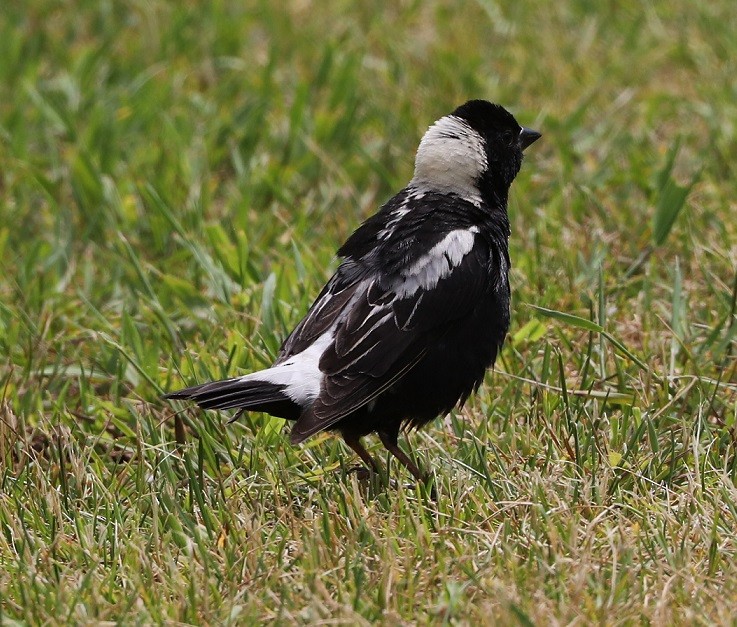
<point>174,181</point>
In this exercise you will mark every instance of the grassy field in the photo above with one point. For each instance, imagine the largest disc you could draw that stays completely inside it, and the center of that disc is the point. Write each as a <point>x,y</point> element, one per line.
<point>174,181</point>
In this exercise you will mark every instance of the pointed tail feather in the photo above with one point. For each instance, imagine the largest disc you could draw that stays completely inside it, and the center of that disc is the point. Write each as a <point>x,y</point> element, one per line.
<point>241,393</point>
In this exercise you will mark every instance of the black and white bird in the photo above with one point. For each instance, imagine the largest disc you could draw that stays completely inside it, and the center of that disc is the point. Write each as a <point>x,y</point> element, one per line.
<point>419,307</point>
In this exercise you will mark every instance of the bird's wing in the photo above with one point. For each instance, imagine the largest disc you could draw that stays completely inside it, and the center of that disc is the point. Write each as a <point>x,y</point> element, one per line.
<point>360,261</point>
<point>385,310</point>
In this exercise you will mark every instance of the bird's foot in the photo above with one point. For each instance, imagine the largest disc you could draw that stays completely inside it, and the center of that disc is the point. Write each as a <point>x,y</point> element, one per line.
<point>374,479</point>
<point>426,489</point>
<point>362,473</point>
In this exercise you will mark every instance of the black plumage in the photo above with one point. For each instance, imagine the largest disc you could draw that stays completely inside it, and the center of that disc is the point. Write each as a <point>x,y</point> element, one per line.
<point>419,307</point>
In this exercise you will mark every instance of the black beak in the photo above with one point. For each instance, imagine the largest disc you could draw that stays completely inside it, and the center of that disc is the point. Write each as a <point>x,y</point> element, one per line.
<point>527,136</point>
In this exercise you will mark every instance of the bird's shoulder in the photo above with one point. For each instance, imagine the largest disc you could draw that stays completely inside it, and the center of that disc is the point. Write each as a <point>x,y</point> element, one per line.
<point>408,226</point>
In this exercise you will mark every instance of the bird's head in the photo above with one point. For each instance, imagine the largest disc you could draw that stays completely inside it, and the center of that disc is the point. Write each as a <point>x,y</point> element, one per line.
<point>474,152</point>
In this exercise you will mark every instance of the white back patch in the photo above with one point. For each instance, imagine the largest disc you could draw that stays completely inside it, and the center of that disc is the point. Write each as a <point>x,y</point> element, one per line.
<point>300,373</point>
<point>437,263</point>
<point>450,159</point>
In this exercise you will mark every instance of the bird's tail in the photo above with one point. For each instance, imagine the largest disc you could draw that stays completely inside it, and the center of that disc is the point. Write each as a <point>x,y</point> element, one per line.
<point>246,393</point>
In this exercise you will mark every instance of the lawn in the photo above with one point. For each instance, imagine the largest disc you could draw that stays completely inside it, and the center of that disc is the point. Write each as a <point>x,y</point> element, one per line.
<point>174,181</point>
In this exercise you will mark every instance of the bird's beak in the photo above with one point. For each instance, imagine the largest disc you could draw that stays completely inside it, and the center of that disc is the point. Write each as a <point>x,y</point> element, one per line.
<point>527,136</point>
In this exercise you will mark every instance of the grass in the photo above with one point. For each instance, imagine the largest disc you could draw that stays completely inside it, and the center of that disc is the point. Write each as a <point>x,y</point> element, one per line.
<point>174,181</point>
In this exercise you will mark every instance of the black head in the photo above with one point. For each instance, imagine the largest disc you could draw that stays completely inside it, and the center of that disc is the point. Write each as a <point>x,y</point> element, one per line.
<point>504,139</point>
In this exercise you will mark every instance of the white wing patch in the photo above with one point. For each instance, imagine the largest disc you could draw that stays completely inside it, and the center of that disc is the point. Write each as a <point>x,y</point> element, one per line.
<point>300,373</point>
<point>437,263</point>
<point>450,159</point>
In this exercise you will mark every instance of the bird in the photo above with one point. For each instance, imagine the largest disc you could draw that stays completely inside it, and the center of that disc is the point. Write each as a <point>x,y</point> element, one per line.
<point>418,308</point>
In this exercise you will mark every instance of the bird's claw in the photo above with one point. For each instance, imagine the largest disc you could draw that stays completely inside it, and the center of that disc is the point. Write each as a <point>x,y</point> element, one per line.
<point>362,473</point>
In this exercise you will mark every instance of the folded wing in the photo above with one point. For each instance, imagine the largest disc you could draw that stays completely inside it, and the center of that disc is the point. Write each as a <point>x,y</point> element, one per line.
<point>382,322</point>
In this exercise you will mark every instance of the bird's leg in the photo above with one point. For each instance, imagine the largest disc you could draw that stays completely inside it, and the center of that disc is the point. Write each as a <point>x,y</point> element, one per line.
<point>355,444</point>
<point>389,440</point>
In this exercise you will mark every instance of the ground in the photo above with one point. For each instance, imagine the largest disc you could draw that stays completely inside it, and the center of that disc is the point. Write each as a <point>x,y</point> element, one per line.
<point>174,181</point>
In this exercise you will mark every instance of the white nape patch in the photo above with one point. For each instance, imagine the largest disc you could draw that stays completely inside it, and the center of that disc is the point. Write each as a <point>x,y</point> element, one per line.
<point>437,263</point>
<point>301,373</point>
<point>450,159</point>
